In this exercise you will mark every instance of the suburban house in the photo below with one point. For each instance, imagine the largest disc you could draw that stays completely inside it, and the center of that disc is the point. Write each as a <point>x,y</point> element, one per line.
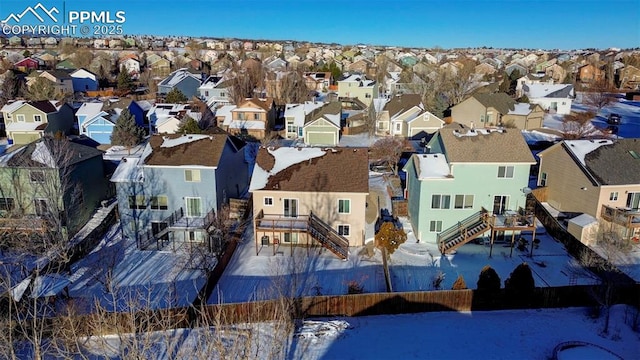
<point>322,125</point>
<point>215,90</point>
<point>590,73</point>
<point>317,81</point>
<point>61,81</point>
<point>358,87</point>
<point>294,117</point>
<point>84,80</point>
<point>554,98</point>
<point>308,196</point>
<point>404,115</point>
<point>50,178</point>
<point>171,192</point>
<point>132,66</point>
<point>159,66</point>
<point>183,80</point>
<point>629,78</point>
<point>28,64</point>
<point>167,118</point>
<point>253,116</point>
<point>599,178</point>
<point>466,176</point>
<point>94,122</point>
<point>499,109</point>
<point>27,121</point>
<point>531,79</point>
<point>138,109</point>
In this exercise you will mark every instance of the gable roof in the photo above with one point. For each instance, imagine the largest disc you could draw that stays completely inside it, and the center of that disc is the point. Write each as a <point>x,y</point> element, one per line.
<point>499,101</point>
<point>462,144</point>
<point>39,154</point>
<point>328,111</point>
<point>606,162</point>
<point>312,170</point>
<point>548,90</point>
<point>45,106</point>
<point>185,150</point>
<point>178,76</point>
<point>402,103</point>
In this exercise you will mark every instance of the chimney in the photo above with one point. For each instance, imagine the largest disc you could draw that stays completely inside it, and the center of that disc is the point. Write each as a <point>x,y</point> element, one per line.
<point>472,126</point>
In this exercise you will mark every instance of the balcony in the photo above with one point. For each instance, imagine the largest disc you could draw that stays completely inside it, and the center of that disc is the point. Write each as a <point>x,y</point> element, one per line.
<point>629,218</point>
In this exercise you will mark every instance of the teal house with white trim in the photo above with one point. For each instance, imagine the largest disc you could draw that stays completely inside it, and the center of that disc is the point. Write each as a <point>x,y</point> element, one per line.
<point>465,172</point>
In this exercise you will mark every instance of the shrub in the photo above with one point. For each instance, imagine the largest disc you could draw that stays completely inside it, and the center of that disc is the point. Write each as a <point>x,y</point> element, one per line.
<point>459,284</point>
<point>488,279</point>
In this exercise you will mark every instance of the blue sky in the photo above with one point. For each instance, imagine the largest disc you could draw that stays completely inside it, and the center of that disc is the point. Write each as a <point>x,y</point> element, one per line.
<point>547,24</point>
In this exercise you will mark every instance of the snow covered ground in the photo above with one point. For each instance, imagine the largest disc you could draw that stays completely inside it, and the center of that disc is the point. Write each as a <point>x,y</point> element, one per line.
<point>513,334</point>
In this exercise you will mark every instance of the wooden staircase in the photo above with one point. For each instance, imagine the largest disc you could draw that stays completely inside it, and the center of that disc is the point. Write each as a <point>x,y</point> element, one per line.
<point>463,232</point>
<point>328,237</point>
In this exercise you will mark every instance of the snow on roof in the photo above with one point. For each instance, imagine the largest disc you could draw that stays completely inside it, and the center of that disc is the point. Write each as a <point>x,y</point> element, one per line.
<point>250,109</point>
<point>432,166</point>
<point>360,78</point>
<point>42,155</point>
<point>580,148</point>
<point>177,76</point>
<point>247,124</point>
<point>543,90</point>
<point>533,136</point>
<point>23,126</point>
<point>169,142</point>
<point>144,104</point>
<point>11,107</point>
<point>476,132</point>
<point>300,111</point>
<point>18,291</point>
<point>379,103</point>
<point>584,220</point>
<point>90,109</point>
<point>284,157</point>
<point>48,285</point>
<point>225,112</point>
<point>334,118</point>
<point>520,109</point>
<point>128,171</point>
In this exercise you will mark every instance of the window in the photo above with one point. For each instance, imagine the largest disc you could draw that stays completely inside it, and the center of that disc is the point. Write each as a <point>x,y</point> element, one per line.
<point>192,175</point>
<point>344,206</point>
<point>194,206</point>
<point>344,230</point>
<point>137,202</point>
<point>40,206</point>
<point>160,202</point>
<point>440,201</point>
<point>37,118</point>
<point>613,196</point>
<point>633,201</point>
<point>543,179</point>
<point>300,131</point>
<point>290,238</point>
<point>36,176</point>
<point>20,118</point>
<point>505,172</point>
<point>367,95</point>
<point>463,202</point>
<point>7,204</point>
<point>268,201</point>
<point>291,128</point>
<point>195,236</point>
<point>435,226</point>
<point>256,116</point>
<point>223,94</point>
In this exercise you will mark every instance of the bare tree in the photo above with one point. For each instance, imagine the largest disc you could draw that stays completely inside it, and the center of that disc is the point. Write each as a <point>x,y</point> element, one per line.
<point>460,85</point>
<point>41,89</point>
<point>246,82</point>
<point>599,94</point>
<point>577,125</point>
<point>293,89</point>
<point>388,150</point>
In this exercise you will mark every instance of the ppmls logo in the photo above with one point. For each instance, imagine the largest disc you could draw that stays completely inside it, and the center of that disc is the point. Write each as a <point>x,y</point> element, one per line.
<point>47,14</point>
<point>41,21</point>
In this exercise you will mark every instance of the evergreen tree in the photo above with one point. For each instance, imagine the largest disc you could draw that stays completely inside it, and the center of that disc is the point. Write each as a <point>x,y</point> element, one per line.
<point>175,96</point>
<point>459,284</point>
<point>488,279</point>
<point>126,132</point>
<point>189,126</point>
<point>125,82</point>
<point>521,279</point>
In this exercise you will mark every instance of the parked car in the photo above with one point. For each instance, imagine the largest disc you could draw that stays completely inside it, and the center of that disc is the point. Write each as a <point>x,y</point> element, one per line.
<point>614,119</point>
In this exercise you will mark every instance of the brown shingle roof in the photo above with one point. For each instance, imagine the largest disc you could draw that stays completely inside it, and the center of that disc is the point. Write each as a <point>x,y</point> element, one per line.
<point>500,101</point>
<point>497,146</point>
<point>615,164</point>
<point>338,170</point>
<point>44,105</point>
<point>330,108</point>
<point>204,152</point>
<point>402,103</point>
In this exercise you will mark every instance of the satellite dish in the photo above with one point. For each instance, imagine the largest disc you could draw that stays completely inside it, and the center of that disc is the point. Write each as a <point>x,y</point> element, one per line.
<point>526,190</point>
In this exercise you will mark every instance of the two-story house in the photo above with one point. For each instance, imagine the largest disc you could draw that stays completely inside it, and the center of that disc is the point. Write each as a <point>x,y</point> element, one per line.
<point>554,98</point>
<point>215,90</point>
<point>404,115</point>
<point>61,80</point>
<point>358,87</point>
<point>310,196</point>
<point>170,192</point>
<point>465,174</point>
<point>84,80</point>
<point>94,122</point>
<point>253,116</point>
<point>183,80</point>
<point>27,121</point>
<point>486,110</point>
<point>294,117</point>
<point>51,178</point>
<point>322,125</point>
<point>167,118</point>
<point>600,178</point>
